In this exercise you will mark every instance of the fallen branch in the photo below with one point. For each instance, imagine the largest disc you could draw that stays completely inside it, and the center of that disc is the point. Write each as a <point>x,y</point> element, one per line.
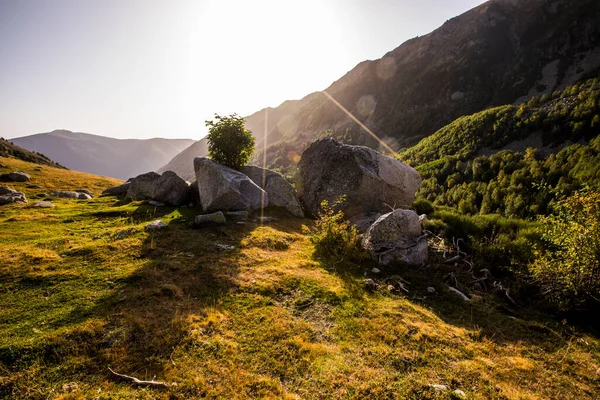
<point>139,382</point>
<point>458,292</point>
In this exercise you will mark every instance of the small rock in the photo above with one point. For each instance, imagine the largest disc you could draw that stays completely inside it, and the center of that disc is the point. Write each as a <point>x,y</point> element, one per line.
<point>14,197</point>
<point>44,204</point>
<point>264,220</point>
<point>34,187</point>
<point>215,218</point>
<point>439,388</point>
<point>156,203</point>
<point>423,218</point>
<point>376,270</point>
<point>6,190</point>
<point>225,247</point>
<point>83,196</point>
<point>460,394</point>
<point>237,215</point>
<point>66,195</point>
<point>41,195</point>
<point>156,225</point>
<point>391,288</point>
<point>85,191</point>
<point>240,223</point>
<point>430,289</point>
<point>370,285</point>
<point>16,176</point>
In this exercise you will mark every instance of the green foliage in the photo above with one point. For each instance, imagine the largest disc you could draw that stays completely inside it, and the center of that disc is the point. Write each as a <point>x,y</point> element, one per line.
<point>516,184</point>
<point>334,238</point>
<point>423,206</point>
<point>229,142</point>
<point>568,264</point>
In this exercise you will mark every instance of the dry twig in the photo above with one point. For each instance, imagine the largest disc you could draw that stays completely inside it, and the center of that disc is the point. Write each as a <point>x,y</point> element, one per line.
<point>139,382</point>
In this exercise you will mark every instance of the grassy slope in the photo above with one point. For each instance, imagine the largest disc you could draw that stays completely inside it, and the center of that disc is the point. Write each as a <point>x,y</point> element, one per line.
<point>83,287</point>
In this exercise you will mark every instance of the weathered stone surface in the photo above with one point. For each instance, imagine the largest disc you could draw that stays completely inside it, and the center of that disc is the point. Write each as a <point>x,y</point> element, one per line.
<point>44,204</point>
<point>371,181</point>
<point>6,190</point>
<point>156,203</point>
<point>13,197</point>
<point>156,226</point>
<point>66,195</point>
<point>364,222</point>
<point>15,176</point>
<point>167,188</point>
<point>237,215</point>
<point>224,189</point>
<point>214,218</point>
<point>85,191</point>
<point>281,192</point>
<point>396,237</point>
<point>83,196</point>
<point>118,190</point>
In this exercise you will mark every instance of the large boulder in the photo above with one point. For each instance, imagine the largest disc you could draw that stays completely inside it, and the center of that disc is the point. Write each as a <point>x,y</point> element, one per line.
<point>371,181</point>
<point>16,176</point>
<point>224,189</point>
<point>281,192</point>
<point>397,237</point>
<point>167,188</point>
<point>118,190</point>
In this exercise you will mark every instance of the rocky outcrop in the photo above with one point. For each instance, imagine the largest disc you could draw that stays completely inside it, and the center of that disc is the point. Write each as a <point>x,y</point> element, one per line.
<point>71,195</point>
<point>15,176</point>
<point>118,190</point>
<point>9,195</point>
<point>396,238</point>
<point>223,189</point>
<point>167,188</point>
<point>281,192</point>
<point>371,181</point>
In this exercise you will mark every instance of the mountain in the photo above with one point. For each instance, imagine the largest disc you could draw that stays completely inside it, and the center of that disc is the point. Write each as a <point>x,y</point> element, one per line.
<point>104,156</point>
<point>11,150</point>
<point>183,163</point>
<point>502,52</point>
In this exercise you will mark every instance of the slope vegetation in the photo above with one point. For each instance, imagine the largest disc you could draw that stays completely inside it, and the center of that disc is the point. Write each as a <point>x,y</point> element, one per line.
<point>11,150</point>
<point>85,288</point>
<point>103,155</point>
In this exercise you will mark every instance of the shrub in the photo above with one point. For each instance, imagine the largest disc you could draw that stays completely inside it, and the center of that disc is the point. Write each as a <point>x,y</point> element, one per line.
<point>423,206</point>
<point>568,265</point>
<point>334,237</point>
<point>229,142</point>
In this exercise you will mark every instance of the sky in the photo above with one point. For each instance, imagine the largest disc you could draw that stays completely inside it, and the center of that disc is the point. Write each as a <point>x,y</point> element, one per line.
<point>161,68</point>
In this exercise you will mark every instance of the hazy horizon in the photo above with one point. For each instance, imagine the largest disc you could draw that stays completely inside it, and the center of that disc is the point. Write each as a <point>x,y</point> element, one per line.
<point>143,69</point>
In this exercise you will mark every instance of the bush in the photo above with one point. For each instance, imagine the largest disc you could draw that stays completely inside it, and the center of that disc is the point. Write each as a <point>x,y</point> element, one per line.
<point>229,142</point>
<point>423,206</point>
<point>334,238</point>
<point>568,265</point>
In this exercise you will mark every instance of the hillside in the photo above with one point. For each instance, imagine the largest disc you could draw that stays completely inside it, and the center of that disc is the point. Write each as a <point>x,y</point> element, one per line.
<point>183,163</point>
<point>11,150</point>
<point>103,155</point>
<point>514,160</point>
<point>85,288</point>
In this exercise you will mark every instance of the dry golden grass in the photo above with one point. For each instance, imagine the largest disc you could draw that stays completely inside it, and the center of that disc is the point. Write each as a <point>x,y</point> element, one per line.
<point>83,287</point>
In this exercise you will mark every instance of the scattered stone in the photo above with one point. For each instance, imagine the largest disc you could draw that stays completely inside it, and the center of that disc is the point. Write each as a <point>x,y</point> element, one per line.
<point>66,195</point>
<point>391,289</point>
<point>13,197</point>
<point>281,192</point>
<point>33,187</point>
<point>167,188</point>
<point>83,196</point>
<point>371,181</point>
<point>225,247</point>
<point>222,188</point>
<point>44,204</point>
<point>376,270</point>
<point>214,218</point>
<point>237,215</point>
<point>370,285</point>
<point>459,393</point>
<point>117,190</point>
<point>6,190</point>
<point>439,388</point>
<point>156,203</point>
<point>156,225</point>
<point>41,195</point>
<point>15,176</point>
<point>265,220</point>
<point>431,289</point>
<point>240,223</point>
<point>85,191</point>
<point>396,237</point>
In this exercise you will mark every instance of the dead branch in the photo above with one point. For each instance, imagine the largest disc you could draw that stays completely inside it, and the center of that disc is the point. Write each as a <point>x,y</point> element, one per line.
<point>139,382</point>
<point>458,292</point>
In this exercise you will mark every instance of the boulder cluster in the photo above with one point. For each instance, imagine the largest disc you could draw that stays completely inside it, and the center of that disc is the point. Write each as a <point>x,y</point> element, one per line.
<point>377,190</point>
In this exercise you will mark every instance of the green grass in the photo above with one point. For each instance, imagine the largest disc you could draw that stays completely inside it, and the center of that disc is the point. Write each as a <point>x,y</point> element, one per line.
<point>83,287</point>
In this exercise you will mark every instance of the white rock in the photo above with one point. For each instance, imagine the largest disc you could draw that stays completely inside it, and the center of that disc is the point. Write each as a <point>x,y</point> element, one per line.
<point>156,225</point>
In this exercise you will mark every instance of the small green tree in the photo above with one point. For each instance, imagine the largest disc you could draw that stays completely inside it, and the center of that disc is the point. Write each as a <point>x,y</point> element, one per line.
<point>229,142</point>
